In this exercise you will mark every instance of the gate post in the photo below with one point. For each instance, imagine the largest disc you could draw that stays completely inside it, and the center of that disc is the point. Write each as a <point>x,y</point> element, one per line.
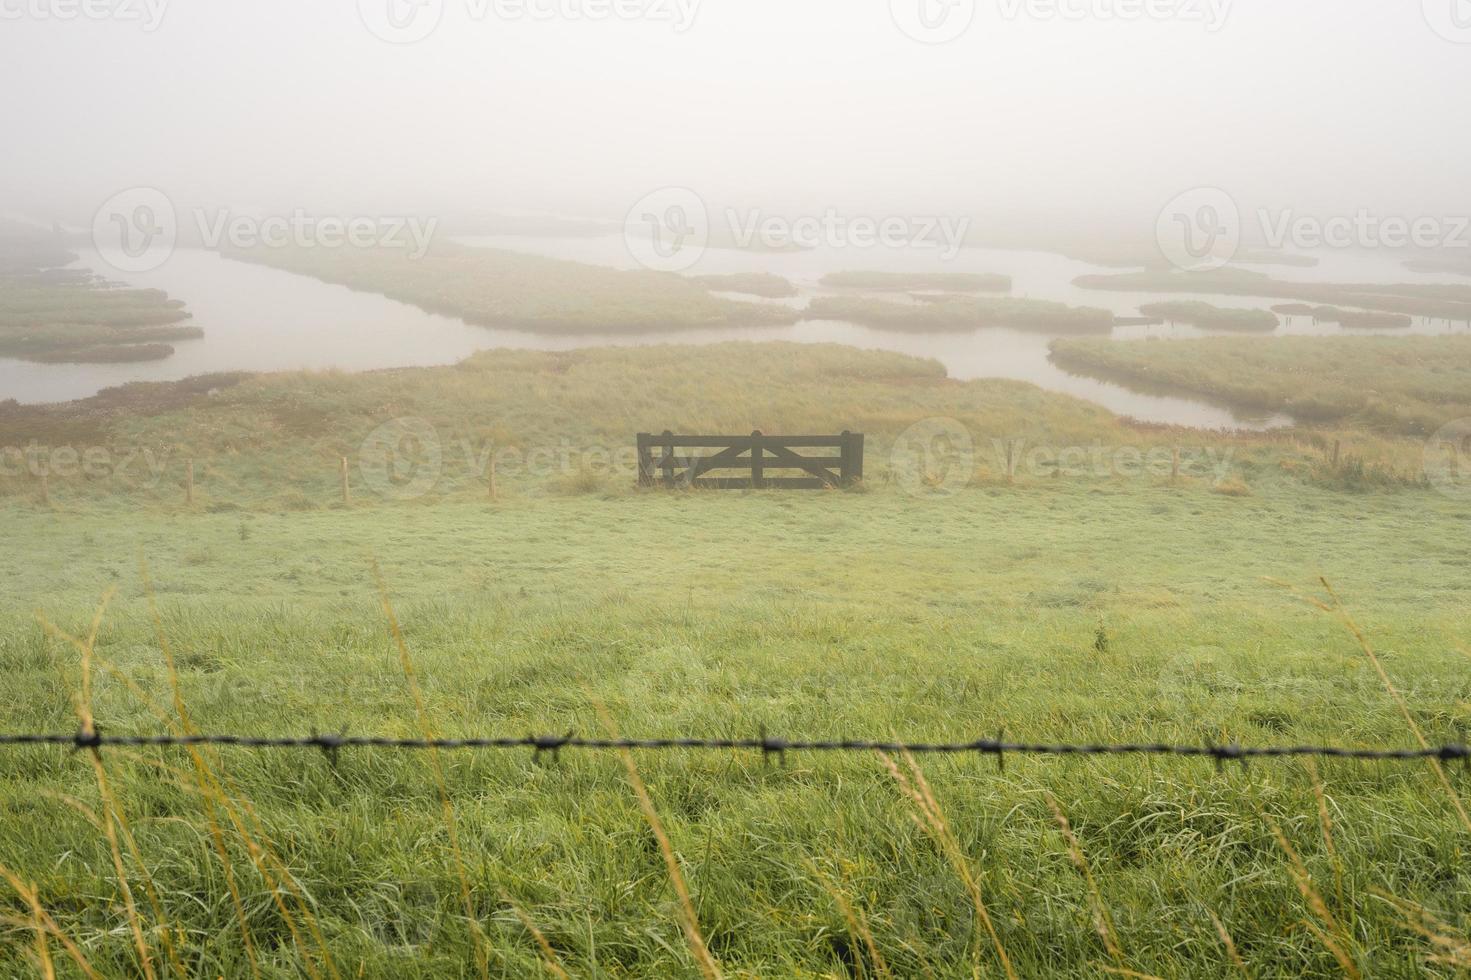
<point>668,461</point>
<point>645,460</point>
<point>758,469</point>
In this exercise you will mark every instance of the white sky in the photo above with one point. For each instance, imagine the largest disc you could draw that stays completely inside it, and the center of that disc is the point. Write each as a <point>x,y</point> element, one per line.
<point>1311,104</point>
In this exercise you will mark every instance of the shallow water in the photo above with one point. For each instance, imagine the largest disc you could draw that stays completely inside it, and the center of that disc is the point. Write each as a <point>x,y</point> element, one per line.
<point>261,319</point>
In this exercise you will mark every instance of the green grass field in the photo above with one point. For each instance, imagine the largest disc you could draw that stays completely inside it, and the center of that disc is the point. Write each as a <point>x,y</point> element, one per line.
<point>1095,604</point>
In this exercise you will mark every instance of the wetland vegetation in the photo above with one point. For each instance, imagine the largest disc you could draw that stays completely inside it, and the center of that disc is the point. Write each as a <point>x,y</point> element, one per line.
<point>960,313</point>
<point>1450,302</point>
<point>499,288</point>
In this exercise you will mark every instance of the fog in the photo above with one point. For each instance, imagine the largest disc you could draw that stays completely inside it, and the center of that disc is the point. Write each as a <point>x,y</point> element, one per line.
<point>1082,113</point>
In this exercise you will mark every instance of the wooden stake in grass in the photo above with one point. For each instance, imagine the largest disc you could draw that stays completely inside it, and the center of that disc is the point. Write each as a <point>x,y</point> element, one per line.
<point>346,483</point>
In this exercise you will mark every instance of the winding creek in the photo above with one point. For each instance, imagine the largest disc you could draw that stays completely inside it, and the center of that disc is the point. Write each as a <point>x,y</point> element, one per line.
<point>261,319</point>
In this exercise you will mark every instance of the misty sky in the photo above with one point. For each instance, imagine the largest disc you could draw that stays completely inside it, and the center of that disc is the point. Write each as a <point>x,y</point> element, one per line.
<point>1330,104</point>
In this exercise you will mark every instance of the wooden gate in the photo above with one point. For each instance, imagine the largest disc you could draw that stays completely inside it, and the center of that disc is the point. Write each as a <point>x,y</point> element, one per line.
<point>666,459</point>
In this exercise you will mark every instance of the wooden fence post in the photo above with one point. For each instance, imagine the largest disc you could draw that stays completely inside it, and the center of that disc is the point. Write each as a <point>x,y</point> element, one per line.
<point>758,468</point>
<point>645,461</point>
<point>346,482</point>
<point>668,461</point>
<point>189,483</point>
<point>852,470</point>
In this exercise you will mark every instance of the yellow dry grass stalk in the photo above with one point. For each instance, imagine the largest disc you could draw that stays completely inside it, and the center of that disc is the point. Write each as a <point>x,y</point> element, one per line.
<point>1102,921</point>
<point>1337,607</point>
<point>446,806</point>
<point>1331,934</point>
<point>1452,947</point>
<point>1232,953</point>
<point>689,920</point>
<point>1325,820</point>
<point>114,817</point>
<point>43,923</point>
<point>856,920</point>
<point>549,957</point>
<point>221,796</point>
<point>932,819</point>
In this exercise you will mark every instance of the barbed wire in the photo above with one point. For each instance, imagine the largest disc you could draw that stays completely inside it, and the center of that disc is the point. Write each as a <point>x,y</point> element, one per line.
<point>767,745</point>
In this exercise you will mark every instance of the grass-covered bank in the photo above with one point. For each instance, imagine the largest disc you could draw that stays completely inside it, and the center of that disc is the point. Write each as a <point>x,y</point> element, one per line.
<point>558,423</point>
<point>1399,385</point>
<point>497,288</point>
<point>962,313</point>
<point>50,314</point>
<point>1211,317</point>
<point>1450,302</point>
